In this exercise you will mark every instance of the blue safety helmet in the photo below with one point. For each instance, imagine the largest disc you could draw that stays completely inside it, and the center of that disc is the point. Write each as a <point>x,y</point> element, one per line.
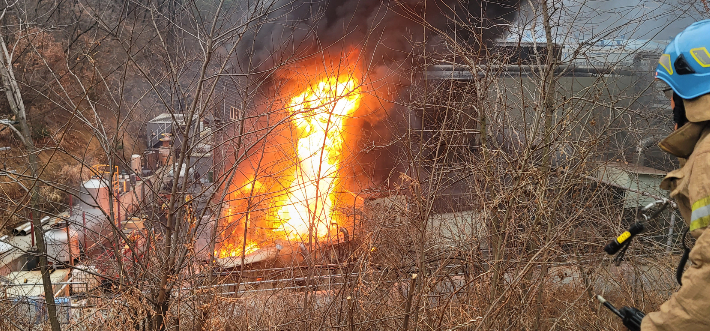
<point>685,63</point>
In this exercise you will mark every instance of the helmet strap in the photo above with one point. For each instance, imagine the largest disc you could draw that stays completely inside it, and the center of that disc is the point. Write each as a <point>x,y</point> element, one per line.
<point>679,111</point>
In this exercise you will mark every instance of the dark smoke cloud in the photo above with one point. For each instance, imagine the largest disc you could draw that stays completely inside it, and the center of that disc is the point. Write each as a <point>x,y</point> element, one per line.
<point>384,30</point>
<point>387,34</point>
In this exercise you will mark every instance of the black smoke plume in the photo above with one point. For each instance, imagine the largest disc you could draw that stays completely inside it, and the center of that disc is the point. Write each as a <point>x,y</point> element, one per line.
<point>389,38</point>
<point>385,31</point>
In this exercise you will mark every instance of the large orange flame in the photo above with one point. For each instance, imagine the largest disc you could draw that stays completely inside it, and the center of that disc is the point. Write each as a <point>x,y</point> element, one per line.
<point>307,209</point>
<point>318,114</point>
<point>232,249</point>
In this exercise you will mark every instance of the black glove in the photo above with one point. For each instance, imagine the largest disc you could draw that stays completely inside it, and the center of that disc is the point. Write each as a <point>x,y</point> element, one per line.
<point>632,318</point>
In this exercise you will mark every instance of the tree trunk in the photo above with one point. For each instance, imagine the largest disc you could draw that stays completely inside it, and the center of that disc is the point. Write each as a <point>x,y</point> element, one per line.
<point>14,98</point>
<point>548,94</point>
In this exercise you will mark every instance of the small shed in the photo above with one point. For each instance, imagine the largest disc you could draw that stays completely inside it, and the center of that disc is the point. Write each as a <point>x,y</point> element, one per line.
<point>633,179</point>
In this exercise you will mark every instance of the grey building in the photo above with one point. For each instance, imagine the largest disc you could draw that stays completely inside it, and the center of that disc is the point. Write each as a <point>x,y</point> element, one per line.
<point>169,123</point>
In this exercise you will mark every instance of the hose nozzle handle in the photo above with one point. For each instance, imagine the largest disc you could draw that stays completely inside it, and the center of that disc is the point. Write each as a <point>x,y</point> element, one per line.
<point>615,245</point>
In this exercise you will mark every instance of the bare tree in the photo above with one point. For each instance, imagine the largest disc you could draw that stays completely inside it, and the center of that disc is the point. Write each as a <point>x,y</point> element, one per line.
<point>469,187</point>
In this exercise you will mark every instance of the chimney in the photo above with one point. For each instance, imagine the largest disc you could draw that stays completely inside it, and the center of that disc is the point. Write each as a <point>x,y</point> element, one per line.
<point>164,149</point>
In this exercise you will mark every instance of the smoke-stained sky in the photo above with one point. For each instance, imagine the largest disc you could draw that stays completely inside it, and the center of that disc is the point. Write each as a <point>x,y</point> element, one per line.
<point>639,19</point>
<point>628,19</point>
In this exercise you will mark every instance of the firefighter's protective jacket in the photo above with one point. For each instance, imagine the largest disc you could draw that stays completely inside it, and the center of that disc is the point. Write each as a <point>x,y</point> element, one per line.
<point>689,308</point>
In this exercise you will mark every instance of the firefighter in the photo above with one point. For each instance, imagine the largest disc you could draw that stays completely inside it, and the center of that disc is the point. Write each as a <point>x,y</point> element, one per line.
<point>685,67</point>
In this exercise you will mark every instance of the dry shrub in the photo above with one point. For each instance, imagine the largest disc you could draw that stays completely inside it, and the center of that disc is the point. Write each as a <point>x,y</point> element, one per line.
<point>74,174</point>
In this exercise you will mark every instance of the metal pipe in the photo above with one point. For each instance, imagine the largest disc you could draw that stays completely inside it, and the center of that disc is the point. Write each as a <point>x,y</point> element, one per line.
<point>32,230</point>
<point>83,221</point>
<point>63,287</point>
<point>118,204</point>
<point>26,228</point>
<point>22,229</point>
<point>71,259</point>
<point>670,232</point>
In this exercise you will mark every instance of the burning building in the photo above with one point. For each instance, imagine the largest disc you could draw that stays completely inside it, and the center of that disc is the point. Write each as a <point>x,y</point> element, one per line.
<point>297,155</point>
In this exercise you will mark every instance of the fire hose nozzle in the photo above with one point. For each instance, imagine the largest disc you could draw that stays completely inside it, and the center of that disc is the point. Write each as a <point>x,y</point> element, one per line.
<point>630,316</point>
<point>609,306</point>
<point>615,245</point>
<point>646,214</point>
